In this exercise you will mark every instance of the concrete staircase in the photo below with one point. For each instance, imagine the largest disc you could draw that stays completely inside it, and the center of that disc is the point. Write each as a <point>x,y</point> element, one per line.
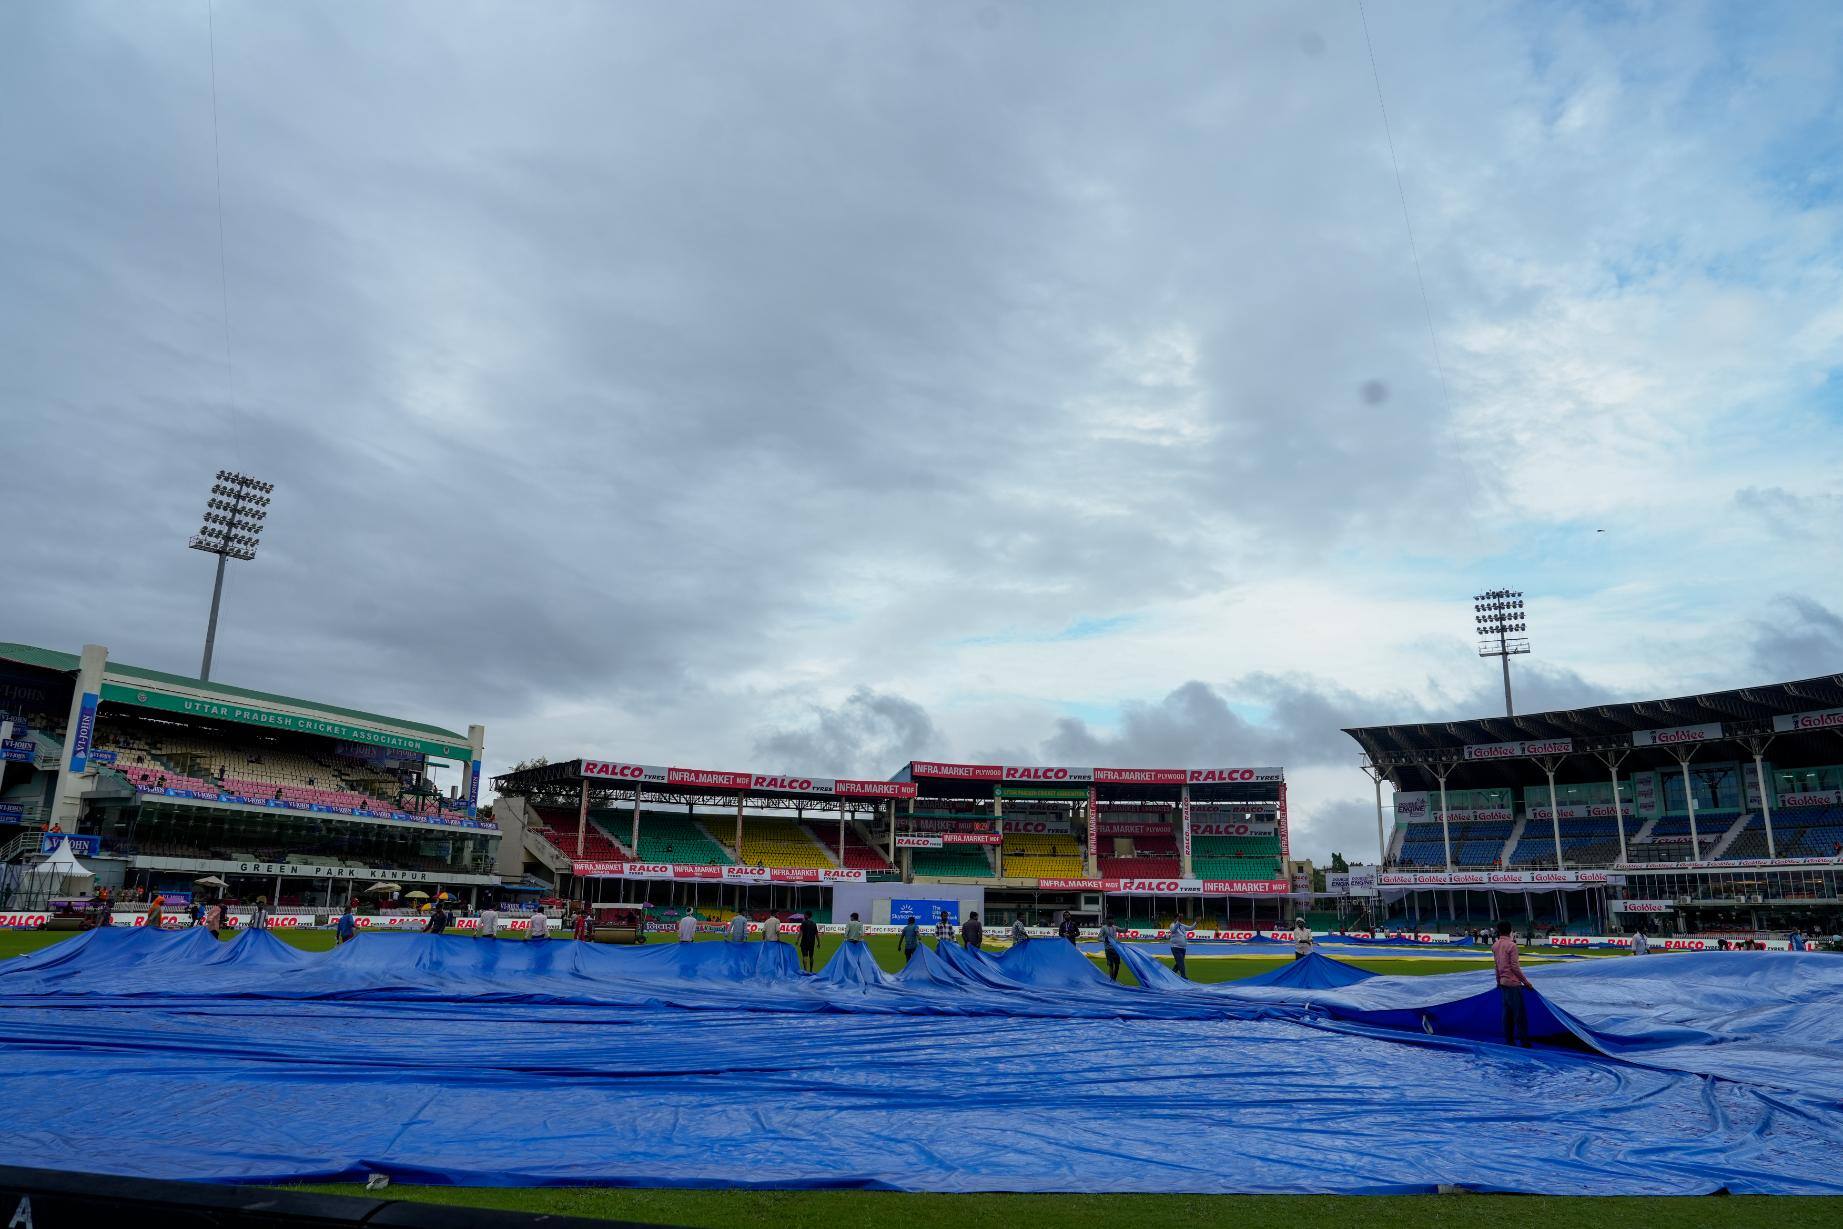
<point>511,812</point>
<point>1510,842</point>
<point>1720,847</point>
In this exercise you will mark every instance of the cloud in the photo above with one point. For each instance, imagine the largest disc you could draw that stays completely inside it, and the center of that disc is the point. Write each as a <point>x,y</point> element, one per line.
<point>644,379</point>
<point>1787,514</point>
<point>1799,638</point>
<point>868,734</point>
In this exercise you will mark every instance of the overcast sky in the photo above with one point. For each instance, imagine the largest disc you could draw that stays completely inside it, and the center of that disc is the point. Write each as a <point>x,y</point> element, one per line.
<point>812,386</point>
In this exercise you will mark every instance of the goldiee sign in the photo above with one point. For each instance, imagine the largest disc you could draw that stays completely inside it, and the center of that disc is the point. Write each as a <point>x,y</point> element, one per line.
<point>1676,735</point>
<point>1519,750</point>
<point>1490,879</point>
<point>246,714</point>
<point>1820,719</point>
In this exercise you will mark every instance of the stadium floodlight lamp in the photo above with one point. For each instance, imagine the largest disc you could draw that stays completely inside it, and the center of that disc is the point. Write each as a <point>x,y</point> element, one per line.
<point>1498,616</point>
<point>231,528</point>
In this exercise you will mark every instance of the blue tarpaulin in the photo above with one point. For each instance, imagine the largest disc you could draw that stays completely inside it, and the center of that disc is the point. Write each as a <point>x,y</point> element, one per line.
<point>457,1060</point>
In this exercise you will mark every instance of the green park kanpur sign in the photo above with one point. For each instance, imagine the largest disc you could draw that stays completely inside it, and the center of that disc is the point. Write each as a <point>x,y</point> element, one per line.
<point>219,710</point>
<point>1039,791</point>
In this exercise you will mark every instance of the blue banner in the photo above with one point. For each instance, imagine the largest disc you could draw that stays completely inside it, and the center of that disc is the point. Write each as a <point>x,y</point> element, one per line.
<point>17,757</point>
<point>12,812</point>
<point>927,912</point>
<point>82,846</point>
<point>473,789</point>
<point>17,744</point>
<point>102,757</point>
<point>80,736</point>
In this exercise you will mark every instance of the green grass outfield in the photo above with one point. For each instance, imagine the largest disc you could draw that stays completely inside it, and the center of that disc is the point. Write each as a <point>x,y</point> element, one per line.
<point>882,1209</point>
<point>846,1209</point>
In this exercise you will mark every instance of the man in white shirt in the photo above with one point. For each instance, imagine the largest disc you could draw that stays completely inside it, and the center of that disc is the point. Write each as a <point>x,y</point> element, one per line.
<point>1180,947</point>
<point>540,925</point>
<point>1302,939</point>
<point>771,929</point>
<point>1641,943</point>
<point>687,927</point>
<point>739,929</point>
<point>489,922</point>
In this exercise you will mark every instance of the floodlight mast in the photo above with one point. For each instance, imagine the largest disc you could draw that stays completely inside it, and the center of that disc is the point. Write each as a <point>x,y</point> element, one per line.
<point>231,529</point>
<point>1499,613</point>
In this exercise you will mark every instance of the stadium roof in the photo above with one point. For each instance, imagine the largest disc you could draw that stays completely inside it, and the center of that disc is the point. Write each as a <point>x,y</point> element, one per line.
<point>1798,716</point>
<point>916,778</point>
<point>126,675</point>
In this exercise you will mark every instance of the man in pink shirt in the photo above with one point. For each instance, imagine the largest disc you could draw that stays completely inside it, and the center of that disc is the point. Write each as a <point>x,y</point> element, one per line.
<point>1511,983</point>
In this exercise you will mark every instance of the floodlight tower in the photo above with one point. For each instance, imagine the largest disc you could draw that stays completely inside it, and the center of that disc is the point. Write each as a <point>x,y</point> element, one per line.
<point>232,529</point>
<point>1499,613</point>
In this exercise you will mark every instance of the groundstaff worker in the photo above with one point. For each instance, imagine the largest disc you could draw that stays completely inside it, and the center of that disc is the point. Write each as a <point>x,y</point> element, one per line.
<point>739,929</point>
<point>687,926</point>
<point>1110,934</point>
<point>809,940</point>
<point>1302,939</point>
<point>909,939</point>
<point>1180,947</point>
<point>1511,983</point>
<point>972,934</point>
<point>1068,928</point>
<point>854,930</point>
<point>1019,935</point>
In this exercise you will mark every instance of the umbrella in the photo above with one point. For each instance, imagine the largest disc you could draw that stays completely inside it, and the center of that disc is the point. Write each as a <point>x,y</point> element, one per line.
<point>210,881</point>
<point>417,895</point>
<point>385,887</point>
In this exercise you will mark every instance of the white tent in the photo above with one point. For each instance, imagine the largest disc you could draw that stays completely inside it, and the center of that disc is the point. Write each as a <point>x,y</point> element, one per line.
<point>61,872</point>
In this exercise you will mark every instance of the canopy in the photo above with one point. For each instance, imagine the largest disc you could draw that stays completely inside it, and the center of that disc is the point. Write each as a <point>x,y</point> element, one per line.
<point>210,881</point>
<point>385,887</point>
<point>418,895</point>
<point>62,864</point>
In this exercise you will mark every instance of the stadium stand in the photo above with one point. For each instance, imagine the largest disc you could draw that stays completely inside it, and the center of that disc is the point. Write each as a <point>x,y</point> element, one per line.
<point>958,862</point>
<point>678,838</point>
<point>1809,832</point>
<point>558,826</point>
<point>1043,856</point>
<point>1139,857</point>
<point>1236,857</point>
<point>857,855</point>
<point>1584,842</point>
<point>780,842</point>
<point>162,755</point>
